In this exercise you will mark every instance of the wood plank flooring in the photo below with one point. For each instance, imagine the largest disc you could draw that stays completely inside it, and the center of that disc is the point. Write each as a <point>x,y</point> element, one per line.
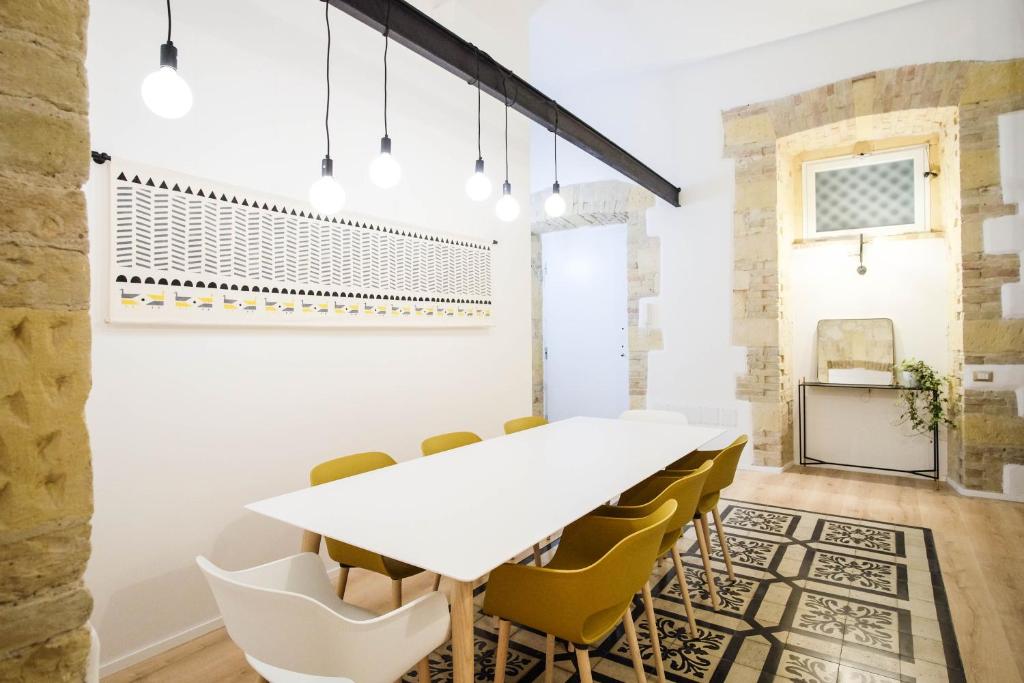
<point>980,546</point>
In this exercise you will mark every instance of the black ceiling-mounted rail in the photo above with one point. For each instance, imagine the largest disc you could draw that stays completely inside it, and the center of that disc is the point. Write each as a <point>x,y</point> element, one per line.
<point>424,36</point>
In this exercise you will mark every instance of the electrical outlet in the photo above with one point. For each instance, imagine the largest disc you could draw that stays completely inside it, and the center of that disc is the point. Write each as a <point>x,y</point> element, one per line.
<point>983,375</point>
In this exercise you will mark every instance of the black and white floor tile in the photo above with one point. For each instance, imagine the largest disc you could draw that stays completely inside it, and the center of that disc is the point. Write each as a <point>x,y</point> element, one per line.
<point>816,599</point>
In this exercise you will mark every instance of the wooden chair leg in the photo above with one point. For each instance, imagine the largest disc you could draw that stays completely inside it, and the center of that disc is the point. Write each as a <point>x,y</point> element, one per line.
<point>549,659</point>
<point>634,646</point>
<point>652,628</point>
<point>423,670</point>
<point>437,582</point>
<point>342,582</point>
<point>583,665</point>
<point>502,655</point>
<point>701,527</point>
<point>684,588</point>
<point>536,554</point>
<point>723,542</point>
<point>396,593</point>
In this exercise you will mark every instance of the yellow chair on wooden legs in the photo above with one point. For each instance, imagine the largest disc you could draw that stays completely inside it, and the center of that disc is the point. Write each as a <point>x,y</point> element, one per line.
<point>723,471</point>
<point>523,423</point>
<point>348,556</point>
<point>584,592</point>
<point>644,499</point>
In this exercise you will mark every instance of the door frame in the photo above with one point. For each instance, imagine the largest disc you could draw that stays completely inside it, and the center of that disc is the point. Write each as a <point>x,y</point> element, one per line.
<point>594,204</point>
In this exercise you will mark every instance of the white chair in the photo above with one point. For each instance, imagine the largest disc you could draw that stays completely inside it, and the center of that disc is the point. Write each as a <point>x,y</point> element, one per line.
<point>669,416</point>
<point>294,629</point>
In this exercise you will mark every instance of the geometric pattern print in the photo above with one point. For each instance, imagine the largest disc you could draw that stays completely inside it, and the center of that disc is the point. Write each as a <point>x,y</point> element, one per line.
<point>867,196</point>
<point>815,600</point>
<point>180,245</point>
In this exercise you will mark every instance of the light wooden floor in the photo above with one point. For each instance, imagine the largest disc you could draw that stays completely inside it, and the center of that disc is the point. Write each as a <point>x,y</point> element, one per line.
<point>980,545</point>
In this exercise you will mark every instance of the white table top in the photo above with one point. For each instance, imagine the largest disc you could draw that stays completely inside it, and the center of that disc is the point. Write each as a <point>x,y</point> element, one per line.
<point>463,512</point>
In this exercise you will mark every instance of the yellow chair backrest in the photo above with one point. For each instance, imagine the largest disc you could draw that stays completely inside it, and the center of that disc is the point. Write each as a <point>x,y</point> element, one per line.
<point>348,465</point>
<point>522,423</point>
<point>645,498</point>
<point>446,442</point>
<point>724,466</point>
<point>583,604</point>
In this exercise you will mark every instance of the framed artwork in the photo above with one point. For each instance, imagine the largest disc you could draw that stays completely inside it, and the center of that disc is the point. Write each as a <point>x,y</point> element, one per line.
<point>191,251</point>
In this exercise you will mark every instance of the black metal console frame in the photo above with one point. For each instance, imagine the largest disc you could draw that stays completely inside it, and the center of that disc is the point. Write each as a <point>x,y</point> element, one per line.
<point>805,459</point>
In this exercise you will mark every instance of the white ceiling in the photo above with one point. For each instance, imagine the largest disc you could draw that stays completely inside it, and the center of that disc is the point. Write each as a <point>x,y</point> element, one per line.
<point>580,39</point>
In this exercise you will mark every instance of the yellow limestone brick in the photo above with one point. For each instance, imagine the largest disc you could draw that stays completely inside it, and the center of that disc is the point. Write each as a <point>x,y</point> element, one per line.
<point>979,167</point>
<point>742,130</point>
<point>994,430</point>
<point>993,81</point>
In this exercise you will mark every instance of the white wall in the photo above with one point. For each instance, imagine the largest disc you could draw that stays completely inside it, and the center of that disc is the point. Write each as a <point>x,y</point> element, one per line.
<point>188,424</point>
<point>671,119</point>
<point>907,280</point>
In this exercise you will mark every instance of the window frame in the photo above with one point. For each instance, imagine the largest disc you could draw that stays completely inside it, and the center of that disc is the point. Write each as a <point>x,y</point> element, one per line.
<point>917,153</point>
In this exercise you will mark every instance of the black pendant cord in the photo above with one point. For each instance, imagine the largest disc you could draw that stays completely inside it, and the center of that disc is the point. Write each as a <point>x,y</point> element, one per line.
<point>479,148</point>
<point>556,143</point>
<point>387,32</point>
<point>169,21</point>
<point>327,109</point>
<point>504,87</point>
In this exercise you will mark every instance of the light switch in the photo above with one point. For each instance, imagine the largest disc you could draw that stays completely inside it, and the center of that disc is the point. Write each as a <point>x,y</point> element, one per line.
<point>982,375</point>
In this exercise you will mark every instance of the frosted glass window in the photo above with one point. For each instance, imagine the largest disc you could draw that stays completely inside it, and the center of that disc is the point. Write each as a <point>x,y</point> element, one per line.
<point>879,192</point>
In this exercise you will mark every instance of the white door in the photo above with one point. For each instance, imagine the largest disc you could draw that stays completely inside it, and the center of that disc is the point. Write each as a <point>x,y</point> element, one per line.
<point>586,369</point>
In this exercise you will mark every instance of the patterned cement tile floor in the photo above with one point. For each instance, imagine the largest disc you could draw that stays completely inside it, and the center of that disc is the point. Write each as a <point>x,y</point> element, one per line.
<point>817,599</point>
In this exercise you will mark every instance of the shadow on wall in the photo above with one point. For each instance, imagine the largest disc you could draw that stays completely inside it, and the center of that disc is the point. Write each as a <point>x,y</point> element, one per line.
<point>180,599</point>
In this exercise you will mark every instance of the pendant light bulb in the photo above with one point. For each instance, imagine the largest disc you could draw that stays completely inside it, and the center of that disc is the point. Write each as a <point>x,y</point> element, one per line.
<point>326,195</point>
<point>507,208</point>
<point>478,186</point>
<point>554,205</point>
<point>164,91</point>
<point>385,171</point>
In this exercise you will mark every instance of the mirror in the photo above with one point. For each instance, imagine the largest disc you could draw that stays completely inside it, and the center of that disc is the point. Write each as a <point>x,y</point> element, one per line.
<point>856,351</point>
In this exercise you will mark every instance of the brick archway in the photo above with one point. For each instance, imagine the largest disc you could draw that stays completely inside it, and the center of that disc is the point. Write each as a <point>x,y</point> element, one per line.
<point>603,203</point>
<point>980,92</point>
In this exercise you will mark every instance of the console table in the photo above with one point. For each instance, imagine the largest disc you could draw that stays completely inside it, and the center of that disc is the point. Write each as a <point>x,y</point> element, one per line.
<point>806,459</point>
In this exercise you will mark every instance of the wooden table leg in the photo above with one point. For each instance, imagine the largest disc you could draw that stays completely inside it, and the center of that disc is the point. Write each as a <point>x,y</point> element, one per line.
<point>310,542</point>
<point>462,632</point>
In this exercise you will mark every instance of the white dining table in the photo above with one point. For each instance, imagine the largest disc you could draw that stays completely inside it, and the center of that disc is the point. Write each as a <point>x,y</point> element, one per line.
<point>463,512</point>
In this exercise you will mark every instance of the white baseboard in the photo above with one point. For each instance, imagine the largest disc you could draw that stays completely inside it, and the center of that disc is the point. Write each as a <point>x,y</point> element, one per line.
<point>165,644</point>
<point>159,647</point>
<point>991,495</point>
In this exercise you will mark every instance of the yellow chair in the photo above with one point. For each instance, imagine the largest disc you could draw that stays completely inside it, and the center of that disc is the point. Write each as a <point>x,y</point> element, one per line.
<point>723,471</point>
<point>348,556</point>
<point>586,589</point>
<point>646,497</point>
<point>446,442</point>
<point>523,423</point>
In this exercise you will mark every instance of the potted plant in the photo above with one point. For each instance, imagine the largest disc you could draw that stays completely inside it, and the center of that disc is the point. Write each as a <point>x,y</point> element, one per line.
<point>924,398</point>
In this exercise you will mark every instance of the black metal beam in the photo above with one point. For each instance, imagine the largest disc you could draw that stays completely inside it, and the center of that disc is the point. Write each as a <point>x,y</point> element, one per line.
<point>424,36</point>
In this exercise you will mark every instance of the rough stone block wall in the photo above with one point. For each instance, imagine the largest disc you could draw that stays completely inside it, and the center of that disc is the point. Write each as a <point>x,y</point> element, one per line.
<point>604,203</point>
<point>980,91</point>
<point>45,473</point>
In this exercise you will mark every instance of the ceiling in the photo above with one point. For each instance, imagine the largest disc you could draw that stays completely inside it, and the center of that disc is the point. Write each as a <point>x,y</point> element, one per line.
<point>581,39</point>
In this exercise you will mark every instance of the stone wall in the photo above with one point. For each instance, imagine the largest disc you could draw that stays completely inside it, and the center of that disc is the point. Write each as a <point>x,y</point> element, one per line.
<point>45,474</point>
<point>980,92</point>
<point>604,203</point>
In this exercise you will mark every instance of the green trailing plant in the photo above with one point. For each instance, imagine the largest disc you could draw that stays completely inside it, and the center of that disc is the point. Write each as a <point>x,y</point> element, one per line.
<point>927,404</point>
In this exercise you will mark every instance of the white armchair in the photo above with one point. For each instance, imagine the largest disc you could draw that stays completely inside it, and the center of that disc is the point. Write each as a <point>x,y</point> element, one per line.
<point>294,629</point>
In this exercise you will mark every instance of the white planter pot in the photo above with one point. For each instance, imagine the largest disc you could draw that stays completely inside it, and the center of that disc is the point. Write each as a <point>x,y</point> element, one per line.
<point>907,379</point>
